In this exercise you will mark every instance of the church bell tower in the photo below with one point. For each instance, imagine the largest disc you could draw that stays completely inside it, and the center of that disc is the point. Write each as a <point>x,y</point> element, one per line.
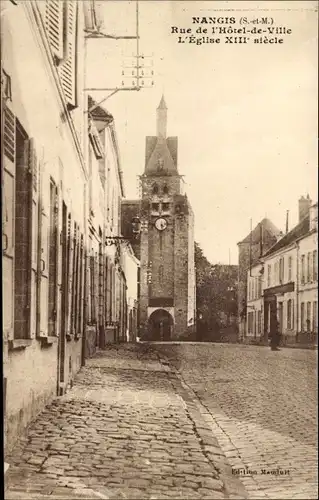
<point>167,283</point>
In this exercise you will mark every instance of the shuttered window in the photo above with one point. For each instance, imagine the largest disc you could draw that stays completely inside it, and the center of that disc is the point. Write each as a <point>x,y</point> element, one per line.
<point>54,10</point>
<point>303,269</point>
<point>93,295</point>
<point>34,231</point>
<point>9,134</point>
<point>302,316</point>
<point>70,256</point>
<point>309,268</point>
<point>289,268</point>
<point>68,67</point>
<point>23,237</point>
<point>308,321</point>
<point>314,266</point>
<point>281,270</point>
<point>289,314</point>
<point>61,26</point>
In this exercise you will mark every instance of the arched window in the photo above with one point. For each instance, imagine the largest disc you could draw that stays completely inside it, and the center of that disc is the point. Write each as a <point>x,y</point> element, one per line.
<point>165,189</point>
<point>155,189</point>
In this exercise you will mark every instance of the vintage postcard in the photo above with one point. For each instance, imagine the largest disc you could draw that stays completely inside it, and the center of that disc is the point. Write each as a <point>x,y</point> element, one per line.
<point>159,249</point>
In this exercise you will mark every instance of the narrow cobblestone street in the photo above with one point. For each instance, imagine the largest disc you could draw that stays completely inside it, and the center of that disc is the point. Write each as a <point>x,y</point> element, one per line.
<point>142,420</point>
<point>127,429</point>
<point>262,407</point>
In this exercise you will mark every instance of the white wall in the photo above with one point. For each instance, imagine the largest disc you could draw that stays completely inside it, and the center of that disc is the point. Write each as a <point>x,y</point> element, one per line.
<point>32,371</point>
<point>255,285</point>
<point>308,292</point>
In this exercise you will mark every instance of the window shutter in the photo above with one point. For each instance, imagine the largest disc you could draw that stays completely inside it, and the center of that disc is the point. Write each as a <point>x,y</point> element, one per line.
<point>54,26</point>
<point>9,134</point>
<point>33,165</point>
<point>70,276</point>
<point>67,68</point>
<point>33,170</point>
<point>44,273</point>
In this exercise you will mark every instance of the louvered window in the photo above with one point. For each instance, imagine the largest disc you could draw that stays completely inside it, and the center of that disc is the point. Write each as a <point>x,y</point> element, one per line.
<point>9,134</point>
<point>68,67</point>
<point>54,25</point>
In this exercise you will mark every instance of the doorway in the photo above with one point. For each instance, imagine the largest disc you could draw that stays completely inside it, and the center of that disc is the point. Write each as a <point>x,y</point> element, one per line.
<point>160,325</point>
<point>270,315</point>
<point>280,317</point>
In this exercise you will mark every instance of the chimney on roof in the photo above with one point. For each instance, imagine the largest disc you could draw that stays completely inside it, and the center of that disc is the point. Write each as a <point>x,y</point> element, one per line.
<point>287,221</point>
<point>304,207</point>
<point>313,216</point>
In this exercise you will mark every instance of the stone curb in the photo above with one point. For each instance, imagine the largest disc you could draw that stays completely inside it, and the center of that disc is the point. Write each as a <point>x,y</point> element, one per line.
<point>287,346</point>
<point>232,487</point>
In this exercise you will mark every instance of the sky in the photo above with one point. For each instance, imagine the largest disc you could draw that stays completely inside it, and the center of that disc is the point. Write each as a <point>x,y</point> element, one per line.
<point>245,114</point>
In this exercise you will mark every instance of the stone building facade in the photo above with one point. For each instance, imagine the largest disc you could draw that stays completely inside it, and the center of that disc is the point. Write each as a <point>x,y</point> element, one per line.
<point>60,176</point>
<point>283,284</point>
<point>108,257</point>
<point>43,125</point>
<point>259,240</point>
<point>166,245</point>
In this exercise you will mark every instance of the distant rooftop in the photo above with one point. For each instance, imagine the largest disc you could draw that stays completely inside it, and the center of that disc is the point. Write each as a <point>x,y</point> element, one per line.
<point>297,232</point>
<point>268,228</point>
<point>99,113</point>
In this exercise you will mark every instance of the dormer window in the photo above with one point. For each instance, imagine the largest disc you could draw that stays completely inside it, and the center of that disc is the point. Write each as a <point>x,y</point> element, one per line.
<point>155,189</point>
<point>165,189</point>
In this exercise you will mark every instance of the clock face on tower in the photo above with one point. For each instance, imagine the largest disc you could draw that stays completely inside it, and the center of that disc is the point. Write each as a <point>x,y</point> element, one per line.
<point>161,224</point>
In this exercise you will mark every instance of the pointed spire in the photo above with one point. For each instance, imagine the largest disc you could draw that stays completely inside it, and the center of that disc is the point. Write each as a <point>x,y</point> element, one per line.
<point>162,104</point>
<point>161,118</point>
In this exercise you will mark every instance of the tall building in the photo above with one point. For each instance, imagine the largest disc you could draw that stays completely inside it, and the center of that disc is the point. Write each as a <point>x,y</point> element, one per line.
<point>167,278</point>
<point>68,284</point>
<point>258,241</point>
<point>283,284</point>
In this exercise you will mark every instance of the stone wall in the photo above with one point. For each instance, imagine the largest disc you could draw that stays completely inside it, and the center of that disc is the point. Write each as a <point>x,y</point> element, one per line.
<point>181,274</point>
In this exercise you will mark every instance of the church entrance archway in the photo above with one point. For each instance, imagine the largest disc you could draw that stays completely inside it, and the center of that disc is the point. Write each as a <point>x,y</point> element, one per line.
<point>160,325</point>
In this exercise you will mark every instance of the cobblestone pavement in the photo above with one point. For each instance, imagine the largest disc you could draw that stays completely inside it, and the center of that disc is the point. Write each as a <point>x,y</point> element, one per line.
<point>127,429</point>
<point>262,407</point>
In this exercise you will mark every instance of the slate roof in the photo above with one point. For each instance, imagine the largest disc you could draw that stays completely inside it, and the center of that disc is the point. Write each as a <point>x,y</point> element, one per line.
<point>297,232</point>
<point>162,104</point>
<point>269,231</point>
<point>160,149</point>
<point>99,113</point>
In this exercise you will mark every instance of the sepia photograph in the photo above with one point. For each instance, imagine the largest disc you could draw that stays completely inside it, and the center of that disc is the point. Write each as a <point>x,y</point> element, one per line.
<point>159,203</point>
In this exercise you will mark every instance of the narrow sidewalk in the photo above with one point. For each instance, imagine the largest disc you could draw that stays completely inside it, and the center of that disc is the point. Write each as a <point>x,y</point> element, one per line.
<point>127,429</point>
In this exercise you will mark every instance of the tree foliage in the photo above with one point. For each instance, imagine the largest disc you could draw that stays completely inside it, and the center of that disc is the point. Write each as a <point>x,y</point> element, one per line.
<point>216,293</point>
